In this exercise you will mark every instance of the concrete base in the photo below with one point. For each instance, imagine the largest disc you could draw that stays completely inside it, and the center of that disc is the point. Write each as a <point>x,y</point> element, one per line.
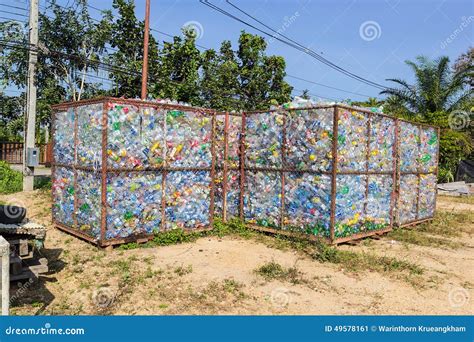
<point>28,183</point>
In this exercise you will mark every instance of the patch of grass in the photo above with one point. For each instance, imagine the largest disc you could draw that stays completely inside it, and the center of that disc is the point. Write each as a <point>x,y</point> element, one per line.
<point>43,183</point>
<point>460,199</point>
<point>359,261</point>
<point>10,180</point>
<point>273,270</point>
<point>181,270</point>
<point>414,237</point>
<point>449,223</point>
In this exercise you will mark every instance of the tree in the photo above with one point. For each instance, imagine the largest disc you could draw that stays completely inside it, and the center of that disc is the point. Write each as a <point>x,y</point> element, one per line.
<point>261,77</point>
<point>437,88</point>
<point>178,71</point>
<point>11,117</point>
<point>305,94</point>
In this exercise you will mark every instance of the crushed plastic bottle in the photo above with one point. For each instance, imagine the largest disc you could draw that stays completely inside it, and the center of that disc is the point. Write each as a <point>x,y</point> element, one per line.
<point>309,139</point>
<point>352,141</point>
<point>233,140</point>
<point>187,199</point>
<point>262,198</point>
<point>134,203</point>
<point>428,149</point>
<point>307,203</point>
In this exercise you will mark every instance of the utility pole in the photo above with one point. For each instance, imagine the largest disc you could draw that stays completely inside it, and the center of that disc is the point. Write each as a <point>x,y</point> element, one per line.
<point>145,49</point>
<point>29,141</point>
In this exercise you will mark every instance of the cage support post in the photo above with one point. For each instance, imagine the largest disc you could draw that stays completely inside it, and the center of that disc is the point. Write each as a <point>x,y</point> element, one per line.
<point>282,173</point>
<point>242,168</point>
<point>367,158</point>
<point>394,195</point>
<point>335,126</point>
<point>74,169</point>
<point>225,165</point>
<point>103,170</point>
<point>213,171</point>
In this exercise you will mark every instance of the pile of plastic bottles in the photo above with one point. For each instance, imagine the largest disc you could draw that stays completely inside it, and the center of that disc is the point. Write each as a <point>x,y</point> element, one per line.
<point>262,198</point>
<point>428,149</point>
<point>135,136</point>
<point>188,139</point>
<point>378,200</point>
<point>263,139</point>
<point>309,139</point>
<point>63,195</point>
<point>427,196</point>
<point>187,199</point>
<point>233,193</point>
<point>89,134</point>
<point>382,140</point>
<point>133,203</point>
<point>88,202</point>
<point>407,198</point>
<point>350,199</point>
<point>409,142</point>
<point>352,141</point>
<point>308,203</point>
<point>64,137</point>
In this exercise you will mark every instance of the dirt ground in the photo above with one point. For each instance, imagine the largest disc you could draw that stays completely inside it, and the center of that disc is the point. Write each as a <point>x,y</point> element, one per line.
<point>217,275</point>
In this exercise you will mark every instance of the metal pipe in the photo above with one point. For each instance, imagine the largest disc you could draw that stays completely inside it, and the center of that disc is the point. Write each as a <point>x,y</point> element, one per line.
<point>145,50</point>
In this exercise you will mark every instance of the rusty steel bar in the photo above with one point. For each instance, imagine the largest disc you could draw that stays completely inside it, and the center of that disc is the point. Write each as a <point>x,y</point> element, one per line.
<point>335,126</point>
<point>369,117</point>
<point>103,193</point>
<point>436,171</point>
<point>74,168</point>
<point>282,174</point>
<point>53,167</point>
<point>226,167</point>
<point>146,34</point>
<point>394,194</point>
<point>242,167</point>
<point>213,171</point>
<point>418,169</point>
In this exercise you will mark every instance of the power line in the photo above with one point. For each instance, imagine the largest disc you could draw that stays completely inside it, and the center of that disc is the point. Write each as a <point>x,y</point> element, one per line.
<point>315,54</point>
<point>298,47</point>
<point>15,7</point>
<point>13,13</point>
<point>326,86</point>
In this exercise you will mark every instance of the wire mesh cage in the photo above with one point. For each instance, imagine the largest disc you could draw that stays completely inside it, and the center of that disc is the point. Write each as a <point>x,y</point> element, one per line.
<point>124,170</point>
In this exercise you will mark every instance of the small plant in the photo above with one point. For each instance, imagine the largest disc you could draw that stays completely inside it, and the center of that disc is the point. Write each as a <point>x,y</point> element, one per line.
<point>10,180</point>
<point>181,270</point>
<point>273,270</point>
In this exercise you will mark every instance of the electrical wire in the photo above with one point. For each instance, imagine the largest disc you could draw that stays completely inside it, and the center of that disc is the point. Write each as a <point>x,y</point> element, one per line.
<point>298,47</point>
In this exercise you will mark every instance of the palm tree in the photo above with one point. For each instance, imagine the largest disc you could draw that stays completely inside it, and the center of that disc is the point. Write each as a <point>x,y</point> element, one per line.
<point>437,87</point>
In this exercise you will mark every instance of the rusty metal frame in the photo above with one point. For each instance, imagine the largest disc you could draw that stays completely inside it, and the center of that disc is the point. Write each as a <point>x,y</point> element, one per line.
<point>105,170</point>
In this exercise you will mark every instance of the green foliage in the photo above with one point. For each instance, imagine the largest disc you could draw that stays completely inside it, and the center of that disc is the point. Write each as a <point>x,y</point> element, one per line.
<point>454,146</point>
<point>10,180</point>
<point>11,117</point>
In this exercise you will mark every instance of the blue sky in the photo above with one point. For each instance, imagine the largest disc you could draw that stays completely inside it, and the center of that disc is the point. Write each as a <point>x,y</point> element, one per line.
<point>403,30</point>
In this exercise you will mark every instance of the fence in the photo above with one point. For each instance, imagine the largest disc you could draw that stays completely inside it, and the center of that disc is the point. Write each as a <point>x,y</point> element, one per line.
<point>125,169</point>
<point>12,152</point>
